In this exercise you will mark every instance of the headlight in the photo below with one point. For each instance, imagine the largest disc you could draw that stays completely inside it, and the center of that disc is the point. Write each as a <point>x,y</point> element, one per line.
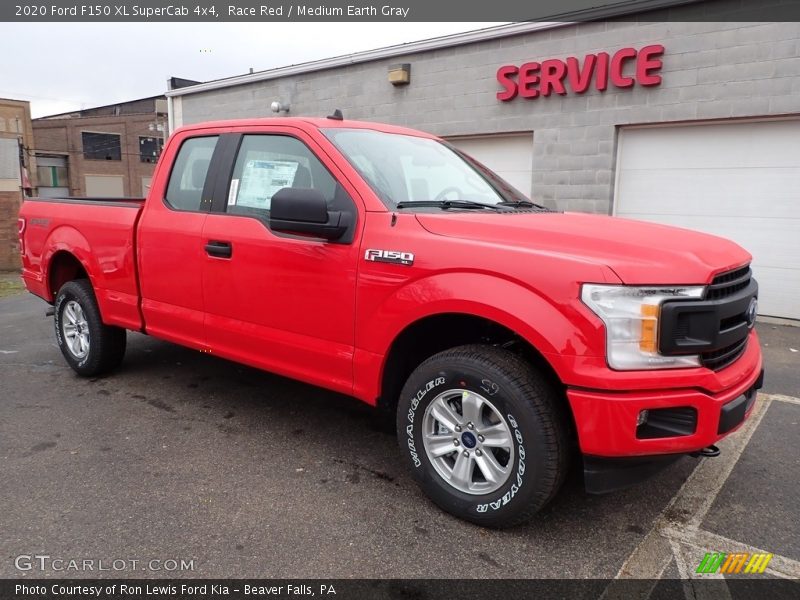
<point>631,317</point>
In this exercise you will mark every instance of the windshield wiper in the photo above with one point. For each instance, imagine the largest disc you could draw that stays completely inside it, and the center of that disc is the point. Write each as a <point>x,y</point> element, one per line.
<point>447,204</point>
<point>524,204</point>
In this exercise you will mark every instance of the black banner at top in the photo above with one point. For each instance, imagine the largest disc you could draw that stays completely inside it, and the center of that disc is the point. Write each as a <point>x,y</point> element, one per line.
<point>394,10</point>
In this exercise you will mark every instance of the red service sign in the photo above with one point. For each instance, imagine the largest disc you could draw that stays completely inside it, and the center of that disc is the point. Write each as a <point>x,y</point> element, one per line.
<point>624,69</point>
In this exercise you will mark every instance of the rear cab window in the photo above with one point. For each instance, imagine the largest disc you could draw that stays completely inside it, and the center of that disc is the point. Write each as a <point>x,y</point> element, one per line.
<point>189,172</point>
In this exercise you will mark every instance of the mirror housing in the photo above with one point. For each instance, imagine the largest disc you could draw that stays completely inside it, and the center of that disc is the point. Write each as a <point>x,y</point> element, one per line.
<point>304,211</point>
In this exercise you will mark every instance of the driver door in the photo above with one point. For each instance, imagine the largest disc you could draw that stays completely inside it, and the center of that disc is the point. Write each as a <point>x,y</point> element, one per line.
<point>284,303</point>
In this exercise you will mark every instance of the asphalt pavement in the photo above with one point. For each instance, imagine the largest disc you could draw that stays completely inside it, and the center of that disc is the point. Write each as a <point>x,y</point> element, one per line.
<point>182,456</point>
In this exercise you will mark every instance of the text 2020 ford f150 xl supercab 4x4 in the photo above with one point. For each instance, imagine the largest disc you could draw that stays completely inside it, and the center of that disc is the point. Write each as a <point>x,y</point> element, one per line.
<point>383,263</point>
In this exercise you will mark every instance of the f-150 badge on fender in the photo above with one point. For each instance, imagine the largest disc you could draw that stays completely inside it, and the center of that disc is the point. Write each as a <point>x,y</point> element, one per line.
<point>390,256</point>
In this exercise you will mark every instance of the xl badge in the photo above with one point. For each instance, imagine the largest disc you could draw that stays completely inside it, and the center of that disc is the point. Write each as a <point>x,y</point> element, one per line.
<point>390,256</point>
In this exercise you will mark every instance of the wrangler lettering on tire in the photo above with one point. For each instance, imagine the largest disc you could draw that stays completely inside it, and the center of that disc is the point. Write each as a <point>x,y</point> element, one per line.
<point>484,433</point>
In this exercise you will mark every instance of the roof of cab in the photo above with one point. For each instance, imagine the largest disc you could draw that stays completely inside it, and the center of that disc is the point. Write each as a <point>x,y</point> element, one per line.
<point>305,123</point>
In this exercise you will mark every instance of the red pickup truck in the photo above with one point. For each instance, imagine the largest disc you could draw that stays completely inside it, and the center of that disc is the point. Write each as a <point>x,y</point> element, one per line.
<point>386,264</point>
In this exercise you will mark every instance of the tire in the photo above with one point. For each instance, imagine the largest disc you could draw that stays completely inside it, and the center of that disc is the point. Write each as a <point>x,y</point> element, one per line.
<point>525,426</point>
<point>89,346</point>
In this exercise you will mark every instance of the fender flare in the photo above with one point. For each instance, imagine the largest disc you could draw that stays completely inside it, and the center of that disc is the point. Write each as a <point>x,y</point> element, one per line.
<point>66,238</point>
<point>552,330</point>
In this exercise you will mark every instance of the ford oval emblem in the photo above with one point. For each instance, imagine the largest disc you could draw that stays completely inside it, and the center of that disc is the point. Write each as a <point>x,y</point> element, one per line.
<point>752,311</point>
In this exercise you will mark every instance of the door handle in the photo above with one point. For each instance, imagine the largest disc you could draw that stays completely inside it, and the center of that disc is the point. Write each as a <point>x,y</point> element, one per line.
<point>219,249</point>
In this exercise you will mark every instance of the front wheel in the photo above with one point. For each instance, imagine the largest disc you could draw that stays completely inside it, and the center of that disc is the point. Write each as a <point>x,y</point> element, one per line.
<point>484,435</point>
<point>89,346</point>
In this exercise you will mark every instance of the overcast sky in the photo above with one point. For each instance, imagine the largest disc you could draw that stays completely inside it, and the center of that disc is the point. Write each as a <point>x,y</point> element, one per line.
<point>63,67</point>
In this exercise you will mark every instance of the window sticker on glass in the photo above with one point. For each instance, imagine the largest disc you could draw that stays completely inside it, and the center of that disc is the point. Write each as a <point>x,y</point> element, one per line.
<point>233,192</point>
<point>261,179</point>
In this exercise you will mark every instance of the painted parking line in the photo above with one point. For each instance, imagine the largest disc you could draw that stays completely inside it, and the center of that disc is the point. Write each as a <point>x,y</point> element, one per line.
<point>676,533</point>
<point>702,541</point>
<point>789,399</point>
<point>692,502</point>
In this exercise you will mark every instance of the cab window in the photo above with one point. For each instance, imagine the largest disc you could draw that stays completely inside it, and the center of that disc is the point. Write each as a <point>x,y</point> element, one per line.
<point>188,177</point>
<point>268,163</point>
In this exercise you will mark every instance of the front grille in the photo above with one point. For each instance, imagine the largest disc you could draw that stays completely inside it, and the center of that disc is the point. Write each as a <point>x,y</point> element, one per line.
<point>727,284</point>
<point>719,359</point>
<point>716,327</point>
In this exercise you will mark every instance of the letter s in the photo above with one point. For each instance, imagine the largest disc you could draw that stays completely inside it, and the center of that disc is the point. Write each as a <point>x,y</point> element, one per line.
<point>504,78</point>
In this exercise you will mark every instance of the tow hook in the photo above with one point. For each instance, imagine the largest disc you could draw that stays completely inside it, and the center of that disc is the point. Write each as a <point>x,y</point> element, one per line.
<point>707,452</point>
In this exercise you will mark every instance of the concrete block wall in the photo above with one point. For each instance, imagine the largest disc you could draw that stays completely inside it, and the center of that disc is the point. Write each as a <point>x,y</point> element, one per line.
<point>710,71</point>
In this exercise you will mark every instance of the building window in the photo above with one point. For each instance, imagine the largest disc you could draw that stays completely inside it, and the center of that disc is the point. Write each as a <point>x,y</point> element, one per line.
<point>9,161</point>
<point>52,176</point>
<point>101,146</point>
<point>104,186</point>
<point>150,149</point>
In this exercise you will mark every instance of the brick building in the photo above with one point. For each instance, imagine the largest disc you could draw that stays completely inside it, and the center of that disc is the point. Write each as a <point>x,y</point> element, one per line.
<point>16,135</point>
<point>688,122</point>
<point>105,151</point>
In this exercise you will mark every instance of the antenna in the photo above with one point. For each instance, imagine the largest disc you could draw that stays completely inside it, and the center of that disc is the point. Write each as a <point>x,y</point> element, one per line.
<point>336,116</point>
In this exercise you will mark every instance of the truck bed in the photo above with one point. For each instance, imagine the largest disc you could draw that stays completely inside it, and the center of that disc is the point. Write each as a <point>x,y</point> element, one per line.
<point>100,233</point>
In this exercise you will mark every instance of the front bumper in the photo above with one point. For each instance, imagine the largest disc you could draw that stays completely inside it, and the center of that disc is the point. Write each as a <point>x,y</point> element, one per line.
<point>606,421</point>
<point>603,474</point>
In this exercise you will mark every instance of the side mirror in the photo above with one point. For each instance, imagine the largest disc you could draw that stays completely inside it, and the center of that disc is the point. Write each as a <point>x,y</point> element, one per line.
<point>305,212</point>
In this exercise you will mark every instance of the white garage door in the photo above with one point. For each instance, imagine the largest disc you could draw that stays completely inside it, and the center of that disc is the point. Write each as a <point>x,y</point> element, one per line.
<point>736,180</point>
<point>510,156</point>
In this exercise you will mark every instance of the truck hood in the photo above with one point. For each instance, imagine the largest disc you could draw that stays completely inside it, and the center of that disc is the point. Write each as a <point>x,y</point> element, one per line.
<point>637,251</point>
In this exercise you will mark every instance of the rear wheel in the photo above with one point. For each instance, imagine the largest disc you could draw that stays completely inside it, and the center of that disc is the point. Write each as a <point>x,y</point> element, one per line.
<point>484,434</point>
<point>89,346</point>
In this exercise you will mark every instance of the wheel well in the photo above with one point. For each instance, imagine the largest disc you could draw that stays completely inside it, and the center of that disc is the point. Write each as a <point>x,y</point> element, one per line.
<point>64,267</point>
<point>431,335</point>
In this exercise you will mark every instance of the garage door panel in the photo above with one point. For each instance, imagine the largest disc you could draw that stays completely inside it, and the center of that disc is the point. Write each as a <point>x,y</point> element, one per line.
<point>523,176</point>
<point>510,156</point>
<point>737,180</point>
<point>760,240</point>
<point>773,144</point>
<point>775,268</point>
<point>676,191</point>
<point>775,299</point>
<point>515,151</point>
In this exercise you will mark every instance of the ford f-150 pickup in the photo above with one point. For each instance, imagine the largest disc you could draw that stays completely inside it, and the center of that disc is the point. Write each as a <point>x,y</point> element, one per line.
<point>386,264</point>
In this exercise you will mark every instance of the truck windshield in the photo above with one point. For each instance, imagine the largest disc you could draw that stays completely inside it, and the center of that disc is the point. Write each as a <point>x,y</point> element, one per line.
<point>419,172</point>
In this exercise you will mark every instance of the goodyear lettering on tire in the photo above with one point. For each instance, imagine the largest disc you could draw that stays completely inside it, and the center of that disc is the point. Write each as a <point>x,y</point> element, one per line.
<point>509,495</point>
